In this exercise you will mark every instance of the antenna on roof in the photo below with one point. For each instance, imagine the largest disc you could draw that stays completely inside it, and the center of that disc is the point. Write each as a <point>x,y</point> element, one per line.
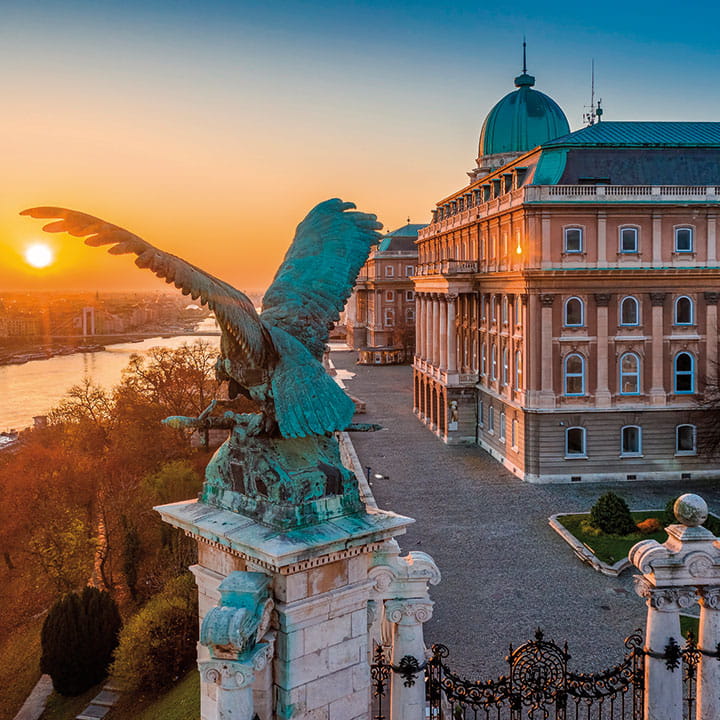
<point>408,222</point>
<point>595,112</point>
<point>524,56</point>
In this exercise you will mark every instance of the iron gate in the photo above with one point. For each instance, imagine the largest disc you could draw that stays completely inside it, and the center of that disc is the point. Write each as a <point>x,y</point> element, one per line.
<point>539,686</point>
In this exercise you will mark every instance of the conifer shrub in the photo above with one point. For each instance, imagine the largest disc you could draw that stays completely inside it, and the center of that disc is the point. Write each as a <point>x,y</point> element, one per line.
<point>612,515</point>
<point>78,638</point>
<point>158,644</point>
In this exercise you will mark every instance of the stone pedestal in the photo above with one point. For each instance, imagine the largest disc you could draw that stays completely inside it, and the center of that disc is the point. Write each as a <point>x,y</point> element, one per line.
<point>320,591</point>
<point>675,575</point>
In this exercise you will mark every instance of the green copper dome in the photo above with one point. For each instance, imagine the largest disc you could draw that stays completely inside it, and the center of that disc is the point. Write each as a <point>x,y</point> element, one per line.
<point>522,120</point>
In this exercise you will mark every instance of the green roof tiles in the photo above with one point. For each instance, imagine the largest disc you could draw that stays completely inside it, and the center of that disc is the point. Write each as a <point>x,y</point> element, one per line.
<point>642,134</point>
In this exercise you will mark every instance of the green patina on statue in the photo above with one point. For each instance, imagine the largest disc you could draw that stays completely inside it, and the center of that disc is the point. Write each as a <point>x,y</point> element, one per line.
<point>282,465</point>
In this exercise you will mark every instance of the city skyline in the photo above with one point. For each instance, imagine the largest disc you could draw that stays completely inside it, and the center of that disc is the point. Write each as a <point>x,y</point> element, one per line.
<point>215,129</point>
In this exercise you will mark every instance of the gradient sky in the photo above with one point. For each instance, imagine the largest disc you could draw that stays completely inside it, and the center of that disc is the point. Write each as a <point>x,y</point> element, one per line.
<point>210,128</point>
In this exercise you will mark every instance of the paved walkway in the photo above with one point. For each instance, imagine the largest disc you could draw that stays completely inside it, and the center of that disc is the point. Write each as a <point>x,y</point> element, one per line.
<point>34,705</point>
<point>505,571</point>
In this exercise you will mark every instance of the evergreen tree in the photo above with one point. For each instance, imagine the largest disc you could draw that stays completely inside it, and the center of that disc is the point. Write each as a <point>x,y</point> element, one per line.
<point>78,638</point>
<point>611,514</point>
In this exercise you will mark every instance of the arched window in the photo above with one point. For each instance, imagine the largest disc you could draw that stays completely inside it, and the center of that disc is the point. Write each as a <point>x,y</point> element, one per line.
<point>628,240</point>
<point>573,240</point>
<point>629,374</point>
<point>505,366</point>
<point>631,440</point>
<point>514,434</point>
<point>683,240</point>
<point>491,419</point>
<point>574,374</point>
<point>629,311</point>
<point>684,311</point>
<point>685,438</point>
<point>518,370</point>
<point>574,312</point>
<point>504,310</point>
<point>684,374</point>
<point>493,362</point>
<point>483,359</point>
<point>575,442</point>
<point>501,432</point>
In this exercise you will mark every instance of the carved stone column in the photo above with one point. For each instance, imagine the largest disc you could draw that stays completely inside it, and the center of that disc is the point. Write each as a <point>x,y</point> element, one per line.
<point>657,389</point>
<point>451,335</point>
<point>232,681</point>
<point>427,353</point>
<point>434,344</point>
<point>601,239</point>
<point>602,391</point>
<point>408,616</point>
<point>711,335</point>
<point>547,395</point>
<point>711,239</point>
<point>672,576</point>
<point>663,686</point>
<point>708,687</point>
<point>657,239</point>
<point>442,338</point>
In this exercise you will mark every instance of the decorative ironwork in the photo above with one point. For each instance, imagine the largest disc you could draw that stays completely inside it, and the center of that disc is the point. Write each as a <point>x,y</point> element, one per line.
<point>539,686</point>
<point>408,668</point>
<point>691,657</point>
<point>673,654</point>
<point>380,672</point>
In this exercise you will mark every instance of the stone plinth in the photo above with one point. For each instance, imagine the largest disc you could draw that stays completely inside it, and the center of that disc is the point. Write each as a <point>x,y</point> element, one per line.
<point>320,590</point>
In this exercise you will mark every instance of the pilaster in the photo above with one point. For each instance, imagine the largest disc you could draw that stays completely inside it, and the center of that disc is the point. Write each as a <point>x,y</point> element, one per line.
<point>657,389</point>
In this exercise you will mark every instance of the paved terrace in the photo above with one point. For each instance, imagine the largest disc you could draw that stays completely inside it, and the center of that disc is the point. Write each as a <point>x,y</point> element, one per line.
<point>505,571</point>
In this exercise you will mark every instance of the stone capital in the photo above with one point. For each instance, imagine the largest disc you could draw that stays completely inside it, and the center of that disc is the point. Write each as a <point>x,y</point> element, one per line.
<point>602,299</point>
<point>396,576</point>
<point>670,600</point>
<point>657,299</point>
<point>547,300</point>
<point>409,611</point>
<point>711,298</point>
<point>226,674</point>
<point>451,297</point>
<point>709,597</point>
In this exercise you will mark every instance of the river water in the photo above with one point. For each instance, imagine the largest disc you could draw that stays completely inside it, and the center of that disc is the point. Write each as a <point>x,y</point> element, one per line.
<point>37,386</point>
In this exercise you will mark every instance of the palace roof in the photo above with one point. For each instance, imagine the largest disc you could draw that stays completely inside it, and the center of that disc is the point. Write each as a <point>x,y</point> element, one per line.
<point>642,134</point>
<point>401,240</point>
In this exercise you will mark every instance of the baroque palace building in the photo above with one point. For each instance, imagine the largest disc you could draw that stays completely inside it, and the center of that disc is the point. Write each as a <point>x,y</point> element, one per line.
<point>567,296</point>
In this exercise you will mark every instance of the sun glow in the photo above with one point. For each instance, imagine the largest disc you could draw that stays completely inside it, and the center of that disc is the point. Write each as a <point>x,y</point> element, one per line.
<point>39,255</point>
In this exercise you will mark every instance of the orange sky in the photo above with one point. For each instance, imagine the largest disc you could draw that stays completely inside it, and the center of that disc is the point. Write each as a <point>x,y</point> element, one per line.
<point>210,129</point>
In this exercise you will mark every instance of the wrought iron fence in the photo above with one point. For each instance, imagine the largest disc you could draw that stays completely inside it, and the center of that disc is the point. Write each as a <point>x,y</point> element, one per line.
<point>539,686</point>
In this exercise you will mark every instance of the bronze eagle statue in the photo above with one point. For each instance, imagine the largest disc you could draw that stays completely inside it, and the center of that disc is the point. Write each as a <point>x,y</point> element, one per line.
<point>274,357</point>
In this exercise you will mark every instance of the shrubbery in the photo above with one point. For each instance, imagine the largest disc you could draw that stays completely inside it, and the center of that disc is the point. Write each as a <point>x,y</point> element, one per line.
<point>649,526</point>
<point>668,516</point>
<point>158,643</point>
<point>612,515</point>
<point>78,638</point>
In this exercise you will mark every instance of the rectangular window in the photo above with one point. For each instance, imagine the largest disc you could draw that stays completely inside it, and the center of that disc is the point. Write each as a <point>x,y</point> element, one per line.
<point>389,317</point>
<point>389,271</point>
<point>685,440</point>
<point>628,240</point>
<point>575,442</point>
<point>409,270</point>
<point>409,295</point>
<point>573,240</point>
<point>631,440</point>
<point>390,295</point>
<point>683,240</point>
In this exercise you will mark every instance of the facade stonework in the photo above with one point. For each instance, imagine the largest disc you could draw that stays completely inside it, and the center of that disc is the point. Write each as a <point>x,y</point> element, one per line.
<point>567,324</point>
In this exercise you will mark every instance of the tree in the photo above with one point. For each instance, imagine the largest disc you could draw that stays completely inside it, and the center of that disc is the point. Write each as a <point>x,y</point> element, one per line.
<point>612,515</point>
<point>78,638</point>
<point>158,644</point>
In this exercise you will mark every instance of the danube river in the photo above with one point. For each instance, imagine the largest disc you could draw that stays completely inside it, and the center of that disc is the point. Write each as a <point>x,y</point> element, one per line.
<point>37,386</point>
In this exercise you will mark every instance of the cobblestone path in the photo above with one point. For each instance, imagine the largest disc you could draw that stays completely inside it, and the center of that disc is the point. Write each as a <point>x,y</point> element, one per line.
<point>505,571</point>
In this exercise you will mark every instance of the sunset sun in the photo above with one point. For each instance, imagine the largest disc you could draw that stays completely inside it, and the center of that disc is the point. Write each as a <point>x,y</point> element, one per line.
<point>39,255</point>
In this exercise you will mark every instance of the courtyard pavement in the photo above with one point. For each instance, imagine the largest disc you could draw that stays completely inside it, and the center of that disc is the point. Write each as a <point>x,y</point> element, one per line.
<point>505,572</point>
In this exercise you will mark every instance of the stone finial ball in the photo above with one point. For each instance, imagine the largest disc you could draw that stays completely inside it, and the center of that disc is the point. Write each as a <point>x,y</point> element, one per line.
<point>690,510</point>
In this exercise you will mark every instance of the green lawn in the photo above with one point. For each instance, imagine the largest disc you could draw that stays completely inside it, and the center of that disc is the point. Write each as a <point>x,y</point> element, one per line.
<point>181,702</point>
<point>611,548</point>
<point>19,667</point>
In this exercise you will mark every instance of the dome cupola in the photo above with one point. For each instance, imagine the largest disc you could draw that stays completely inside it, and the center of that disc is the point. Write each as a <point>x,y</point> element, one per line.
<point>522,120</point>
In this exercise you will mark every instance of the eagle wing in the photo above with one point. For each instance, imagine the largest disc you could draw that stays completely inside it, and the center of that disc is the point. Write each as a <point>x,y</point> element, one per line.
<point>233,309</point>
<point>319,271</point>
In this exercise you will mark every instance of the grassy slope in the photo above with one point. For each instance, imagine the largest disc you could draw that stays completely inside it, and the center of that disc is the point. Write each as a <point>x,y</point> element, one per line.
<point>181,702</point>
<point>19,667</point>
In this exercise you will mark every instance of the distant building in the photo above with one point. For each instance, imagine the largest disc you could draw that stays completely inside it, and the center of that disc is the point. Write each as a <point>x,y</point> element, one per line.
<point>380,315</point>
<point>568,296</point>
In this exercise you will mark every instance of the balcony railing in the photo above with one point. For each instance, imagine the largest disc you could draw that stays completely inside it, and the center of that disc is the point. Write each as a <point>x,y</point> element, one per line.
<point>450,216</point>
<point>448,267</point>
